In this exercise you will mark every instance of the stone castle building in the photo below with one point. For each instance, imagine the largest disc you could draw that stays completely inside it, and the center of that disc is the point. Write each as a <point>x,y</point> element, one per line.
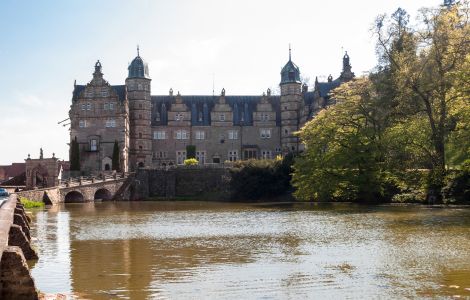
<point>155,131</point>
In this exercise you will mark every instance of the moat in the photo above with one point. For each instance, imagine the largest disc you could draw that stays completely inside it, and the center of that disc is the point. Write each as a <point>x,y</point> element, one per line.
<point>181,250</point>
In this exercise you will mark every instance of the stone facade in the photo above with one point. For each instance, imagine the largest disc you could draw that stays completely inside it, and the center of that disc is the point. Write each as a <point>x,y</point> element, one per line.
<point>42,172</point>
<point>155,131</point>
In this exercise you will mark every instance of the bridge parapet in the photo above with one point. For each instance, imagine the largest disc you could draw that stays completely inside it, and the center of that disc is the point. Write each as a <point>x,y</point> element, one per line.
<point>15,278</point>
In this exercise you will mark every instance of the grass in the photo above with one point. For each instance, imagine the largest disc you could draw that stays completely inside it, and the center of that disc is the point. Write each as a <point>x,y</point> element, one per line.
<point>30,203</point>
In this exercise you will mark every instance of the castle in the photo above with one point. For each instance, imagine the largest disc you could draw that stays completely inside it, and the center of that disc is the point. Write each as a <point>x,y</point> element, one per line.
<point>155,131</point>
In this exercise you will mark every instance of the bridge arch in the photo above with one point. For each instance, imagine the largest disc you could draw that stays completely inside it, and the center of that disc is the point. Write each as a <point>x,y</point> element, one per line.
<point>103,194</point>
<point>73,196</point>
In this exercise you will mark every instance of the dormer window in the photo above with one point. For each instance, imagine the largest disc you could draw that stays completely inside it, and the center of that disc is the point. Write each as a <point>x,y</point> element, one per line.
<point>106,106</point>
<point>292,75</point>
<point>157,117</point>
<point>200,117</point>
<point>242,117</point>
<point>222,117</point>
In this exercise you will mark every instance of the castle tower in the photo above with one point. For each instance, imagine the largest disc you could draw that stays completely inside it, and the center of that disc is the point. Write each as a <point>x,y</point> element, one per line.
<point>138,96</point>
<point>291,100</point>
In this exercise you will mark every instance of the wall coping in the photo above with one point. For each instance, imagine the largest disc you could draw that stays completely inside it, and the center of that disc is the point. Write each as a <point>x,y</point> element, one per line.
<point>7,212</point>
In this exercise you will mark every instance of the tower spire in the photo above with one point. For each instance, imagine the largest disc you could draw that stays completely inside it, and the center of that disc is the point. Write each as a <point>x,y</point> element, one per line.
<point>289,52</point>
<point>138,54</point>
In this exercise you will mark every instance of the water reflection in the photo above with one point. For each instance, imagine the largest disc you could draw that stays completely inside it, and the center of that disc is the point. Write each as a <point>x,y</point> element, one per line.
<point>152,250</point>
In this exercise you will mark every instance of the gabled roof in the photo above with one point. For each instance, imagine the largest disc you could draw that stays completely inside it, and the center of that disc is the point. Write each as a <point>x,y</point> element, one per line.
<point>119,89</point>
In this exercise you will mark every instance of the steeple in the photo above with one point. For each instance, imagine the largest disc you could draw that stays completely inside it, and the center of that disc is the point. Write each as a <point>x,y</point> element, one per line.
<point>290,73</point>
<point>347,73</point>
<point>138,68</point>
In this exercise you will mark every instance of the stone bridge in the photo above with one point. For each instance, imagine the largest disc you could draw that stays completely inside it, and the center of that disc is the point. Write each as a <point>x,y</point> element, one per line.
<point>81,190</point>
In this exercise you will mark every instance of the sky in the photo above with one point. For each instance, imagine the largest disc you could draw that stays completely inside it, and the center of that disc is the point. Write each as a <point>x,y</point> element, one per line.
<point>190,46</point>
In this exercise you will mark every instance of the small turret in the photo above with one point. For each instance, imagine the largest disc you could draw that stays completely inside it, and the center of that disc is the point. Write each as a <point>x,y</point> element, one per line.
<point>346,74</point>
<point>290,73</point>
<point>138,68</point>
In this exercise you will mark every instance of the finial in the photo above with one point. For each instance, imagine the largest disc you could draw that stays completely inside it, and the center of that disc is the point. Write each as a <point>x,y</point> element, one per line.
<point>138,54</point>
<point>289,52</point>
<point>29,156</point>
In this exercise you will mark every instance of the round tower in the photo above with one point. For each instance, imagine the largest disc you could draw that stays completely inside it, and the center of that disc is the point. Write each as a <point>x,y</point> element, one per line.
<point>138,96</point>
<point>291,100</point>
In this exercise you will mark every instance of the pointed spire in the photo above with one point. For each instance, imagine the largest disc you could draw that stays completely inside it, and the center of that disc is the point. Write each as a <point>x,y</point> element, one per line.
<point>289,52</point>
<point>138,54</point>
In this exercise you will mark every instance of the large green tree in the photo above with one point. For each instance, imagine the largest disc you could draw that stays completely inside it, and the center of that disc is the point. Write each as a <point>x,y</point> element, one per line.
<point>428,68</point>
<point>344,157</point>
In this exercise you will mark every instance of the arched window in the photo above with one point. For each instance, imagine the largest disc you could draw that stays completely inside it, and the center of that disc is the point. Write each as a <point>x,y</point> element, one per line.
<point>140,135</point>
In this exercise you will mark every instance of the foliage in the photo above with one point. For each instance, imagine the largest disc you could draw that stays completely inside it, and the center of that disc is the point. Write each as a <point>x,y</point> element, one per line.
<point>256,179</point>
<point>27,203</point>
<point>74,155</point>
<point>191,151</point>
<point>457,188</point>
<point>190,162</point>
<point>400,129</point>
<point>115,158</point>
<point>428,66</point>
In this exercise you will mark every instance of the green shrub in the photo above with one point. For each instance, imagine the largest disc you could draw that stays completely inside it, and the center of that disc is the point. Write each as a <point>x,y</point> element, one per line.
<point>457,187</point>
<point>256,179</point>
<point>27,203</point>
<point>191,162</point>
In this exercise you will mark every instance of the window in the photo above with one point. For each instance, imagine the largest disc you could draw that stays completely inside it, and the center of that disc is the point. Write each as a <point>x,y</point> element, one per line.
<point>110,123</point>
<point>161,154</point>
<point>93,145</point>
<point>233,134</point>
<point>250,154</point>
<point>104,93</point>
<point>266,154</point>
<point>88,106</point>
<point>278,150</point>
<point>200,135</point>
<point>159,135</point>
<point>139,86</point>
<point>140,135</point>
<point>157,117</point>
<point>82,123</point>
<point>181,135</point>
<point>222,117</point>
<point>180,157</point>
<point>106,106</point>
<point>265,133</point>
<point>83,106</point>
<point>111,106</point>
<point>233,155</point>
<point>140,147</point>
<point>201,157</point>
<point>199,117</point>
<point>89,94</point>
<point>242,119</point>
<point>264,117</point>
<point>140,105</point>
<point>179,117</point>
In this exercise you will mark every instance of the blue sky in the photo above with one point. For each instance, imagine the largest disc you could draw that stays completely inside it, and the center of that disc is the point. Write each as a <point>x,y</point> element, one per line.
<point>241,45</point>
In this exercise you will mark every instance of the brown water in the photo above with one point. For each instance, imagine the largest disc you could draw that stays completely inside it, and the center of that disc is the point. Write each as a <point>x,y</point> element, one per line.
<point>181,250</point>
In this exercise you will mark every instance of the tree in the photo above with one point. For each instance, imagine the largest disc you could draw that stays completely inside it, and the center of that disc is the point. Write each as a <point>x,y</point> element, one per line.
<point>428,66</point>
<point>116,157</point>
<point>191,151</point>
<point>74,155</point>
<point>344,156</point>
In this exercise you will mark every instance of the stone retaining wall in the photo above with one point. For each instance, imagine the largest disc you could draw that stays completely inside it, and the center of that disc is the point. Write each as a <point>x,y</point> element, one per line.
<point>181,182</point>
<point>47,195</point>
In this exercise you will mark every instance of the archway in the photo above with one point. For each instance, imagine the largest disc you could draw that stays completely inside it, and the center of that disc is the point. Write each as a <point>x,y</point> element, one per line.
<point>103,194</point>
<point>73,196</point>
<point>140,164</point>
<point>107,167</point>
